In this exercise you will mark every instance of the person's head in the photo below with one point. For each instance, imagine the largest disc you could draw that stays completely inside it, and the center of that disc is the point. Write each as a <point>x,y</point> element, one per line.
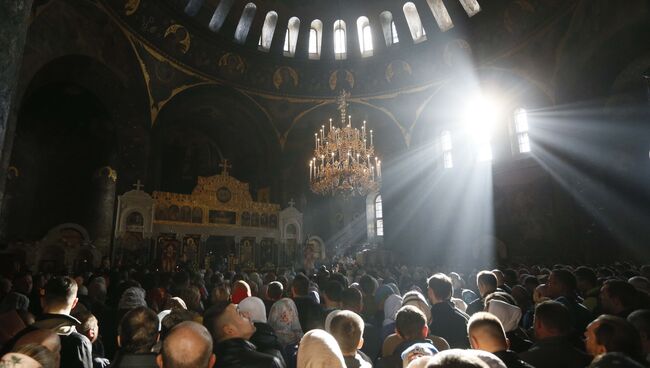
<point>614,360</point>
<point>454,358</point>
<point>240,291</point>
<point>609,333</point>
<point>640,283</point>
<point>416,299</point>
<point>500,277</point>
<point>352,299</point>
<point>138,331</point>
<point>274,291</point>
<point>586,279</point>
<point>540,294</point>
<point>319,349</point>
<point>188,345</point>
<point>89,326</point>
<point>508,314</point>
<point>300,286</point>
<point>220,293</point>
<point>37,352</point>
<point>332,293</point>
<point>175,317</point>
<point>486,333</point>
<point>510,277</point>
<point>640,319</point>
<point>530,283</point>
<point>23,283</point>
<point>253,307</point>
<point>225,321</point>
<point>97,290</point>
<point>347,329</point>
<point>368,285</point>
<point>47,338</point>
<point>192,298</point>
<point>561,282</point>
<point>486,282</point>
<point>60,295</point>
<point>552,319</point>
<point>411,323</point>
<point>440,288</point>
<point>617,296</point>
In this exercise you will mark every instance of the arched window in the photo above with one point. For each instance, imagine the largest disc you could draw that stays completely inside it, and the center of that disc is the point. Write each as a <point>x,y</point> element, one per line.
<point>471,7</point>
<point>414,22</point>
<point>365,36</point>
<point>388,28</point>
<point>446,147</point>
<point>440,13</point>
<point>291,37</point>
<point>521,130</point>
<point>193,6</point>
<point>219,15</point>
<point>245,22</point>
<point>379,217</point>
<point>315,37</point>
<point>340,40</point>
<point>267,30</point>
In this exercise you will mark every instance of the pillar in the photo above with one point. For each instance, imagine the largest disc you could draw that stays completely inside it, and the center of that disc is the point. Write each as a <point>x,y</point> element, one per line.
<point>102,213</point>
<point>13,29</point>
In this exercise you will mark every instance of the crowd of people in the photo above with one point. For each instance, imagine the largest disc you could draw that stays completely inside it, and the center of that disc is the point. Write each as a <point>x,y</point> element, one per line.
<point>346,315</point>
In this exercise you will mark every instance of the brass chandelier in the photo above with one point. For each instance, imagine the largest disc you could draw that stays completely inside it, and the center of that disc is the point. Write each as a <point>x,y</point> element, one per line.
<point>344,161</point>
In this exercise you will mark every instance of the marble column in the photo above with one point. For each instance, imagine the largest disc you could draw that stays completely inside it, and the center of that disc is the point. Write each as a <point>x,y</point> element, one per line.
<point>14,17</point>
<point>101,220</point>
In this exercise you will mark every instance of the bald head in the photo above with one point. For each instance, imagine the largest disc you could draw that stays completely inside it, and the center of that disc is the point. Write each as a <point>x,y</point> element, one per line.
<point>486,333</point>
<point>188,345</point>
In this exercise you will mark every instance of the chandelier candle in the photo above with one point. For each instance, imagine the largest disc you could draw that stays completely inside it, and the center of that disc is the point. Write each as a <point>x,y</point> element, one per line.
<point>347,165</point>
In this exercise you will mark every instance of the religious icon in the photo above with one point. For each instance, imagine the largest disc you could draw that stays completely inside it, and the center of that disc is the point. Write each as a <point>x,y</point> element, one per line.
<point>224,195</point>
<point>168,262</point>
<point>191,249</point>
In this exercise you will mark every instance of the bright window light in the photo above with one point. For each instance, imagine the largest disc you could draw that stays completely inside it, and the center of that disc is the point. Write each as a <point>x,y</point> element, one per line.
<point>446,146</point>
<point>521,130</point>
<point>481,116</point>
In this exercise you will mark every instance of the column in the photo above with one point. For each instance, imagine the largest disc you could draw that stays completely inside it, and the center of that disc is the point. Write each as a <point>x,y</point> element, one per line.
<point>102,213</point>
<point>13,29</point>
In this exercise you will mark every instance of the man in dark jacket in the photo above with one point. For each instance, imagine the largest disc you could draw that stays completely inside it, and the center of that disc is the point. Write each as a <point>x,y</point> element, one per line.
<point>562,286</point>
<point>487,284</point>
<point>553,348</point>
<point>137,334</point>
<point>310,313</point>
<point>231,332</point>
<point>486,333</point>
<point>447,321</point>
<point>59,300</point>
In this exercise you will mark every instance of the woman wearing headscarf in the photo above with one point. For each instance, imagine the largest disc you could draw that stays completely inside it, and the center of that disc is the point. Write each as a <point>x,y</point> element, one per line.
<point>510,315</point>
<point>240,291</point>
<point>284,321</point>
<point>392,304</point>
<point>319,349</point>
<point>264,337</point>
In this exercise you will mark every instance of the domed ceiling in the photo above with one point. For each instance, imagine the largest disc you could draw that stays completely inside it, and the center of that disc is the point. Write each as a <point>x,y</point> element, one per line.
<point>288,47</point>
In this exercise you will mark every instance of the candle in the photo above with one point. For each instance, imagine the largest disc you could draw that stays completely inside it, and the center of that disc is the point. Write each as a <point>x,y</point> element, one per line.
<point>330,124</point>
<point>379,169</point>
<point>349,120</point>
<point>310,170</point>
<point>370,137</point>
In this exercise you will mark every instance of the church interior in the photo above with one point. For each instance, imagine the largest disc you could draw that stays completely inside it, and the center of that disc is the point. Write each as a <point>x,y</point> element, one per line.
<point>257,135</point>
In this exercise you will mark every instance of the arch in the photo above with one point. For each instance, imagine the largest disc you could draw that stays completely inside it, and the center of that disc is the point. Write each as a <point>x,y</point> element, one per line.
<point>245,22</point>
<point>441,15</point>
<point>291,36</point>
<point>315,39</point>
<point>220,14</point>
<point>270,21</point>
<point>388,28</point>
<point>365,36</point>
<point>414,23</point>
<point>340,40</point>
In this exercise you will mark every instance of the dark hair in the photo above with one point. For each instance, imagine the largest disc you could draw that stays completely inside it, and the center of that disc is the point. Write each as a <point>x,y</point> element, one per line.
<point>138,330</point>
<point>488,279</point>
<point>618,335</point>
<point>586,274</point>
<point>441,286</point>
<point>60,290</point>
<point>510,276</point>
<point>409,322</point>
<point>211,319</point>
<point>347,329</point>
<point>554,316</point>
<point>300,285</point>
<point>333,290</point>
<point>351,298</point>
<point>175,317</point>
<point>368,284</point>
<point>623,292</point>
<point>335,276</point>
<point>640,319</point>
<point>275,290</point>
<point>566,278</point>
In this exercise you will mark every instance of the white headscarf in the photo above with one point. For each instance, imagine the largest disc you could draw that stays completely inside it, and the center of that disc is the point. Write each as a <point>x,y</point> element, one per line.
<point>319,349</point>
<point>255,308</point>
<point>392,304</point>
<point>508,314</point>
<point>283,318</point>
<point>416,299</point>
<point>329,318</point>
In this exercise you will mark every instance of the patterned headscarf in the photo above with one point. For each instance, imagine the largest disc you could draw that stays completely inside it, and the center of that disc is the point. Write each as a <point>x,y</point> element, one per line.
<point>283,318</point>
